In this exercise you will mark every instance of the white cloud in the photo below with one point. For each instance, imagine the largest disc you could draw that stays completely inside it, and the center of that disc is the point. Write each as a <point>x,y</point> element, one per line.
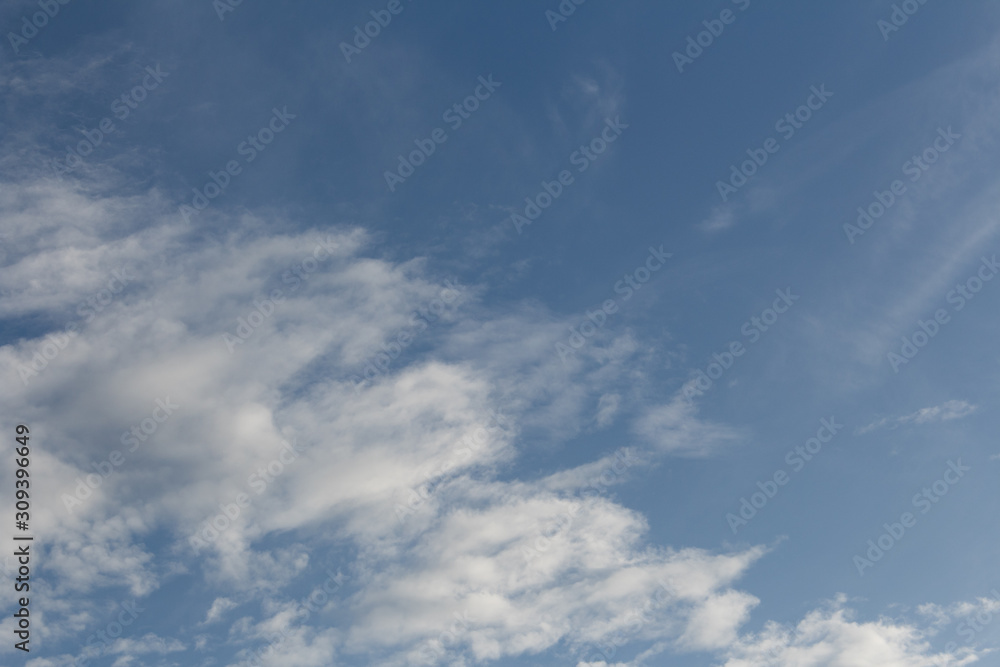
<point>607,408</point>
<point>832,638</point>
<point>720,218</point>
<point>674,428</point>
<point>526,570</point>
<point>489,567</point>
<point>219,607</point>
<point>947,411</point>
<point>941,616</point>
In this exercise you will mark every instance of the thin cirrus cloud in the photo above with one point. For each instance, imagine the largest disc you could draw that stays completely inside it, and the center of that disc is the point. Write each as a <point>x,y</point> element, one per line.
<point>947,411</point>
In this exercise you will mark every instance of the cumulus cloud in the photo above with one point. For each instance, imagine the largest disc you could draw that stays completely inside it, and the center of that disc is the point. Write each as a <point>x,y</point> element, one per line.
<point>832,637</point>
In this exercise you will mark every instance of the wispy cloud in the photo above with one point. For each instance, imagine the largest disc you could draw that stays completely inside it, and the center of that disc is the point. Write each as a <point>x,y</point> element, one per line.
<point>947,411</point>
<point>720,218</point>
<point>675,428</point>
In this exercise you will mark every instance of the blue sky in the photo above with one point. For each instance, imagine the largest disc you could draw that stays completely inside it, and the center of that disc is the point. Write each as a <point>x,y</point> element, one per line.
<point>690,410</point>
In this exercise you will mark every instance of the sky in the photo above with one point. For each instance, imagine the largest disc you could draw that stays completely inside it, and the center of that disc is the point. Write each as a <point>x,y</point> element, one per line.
<point>524,333</point>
